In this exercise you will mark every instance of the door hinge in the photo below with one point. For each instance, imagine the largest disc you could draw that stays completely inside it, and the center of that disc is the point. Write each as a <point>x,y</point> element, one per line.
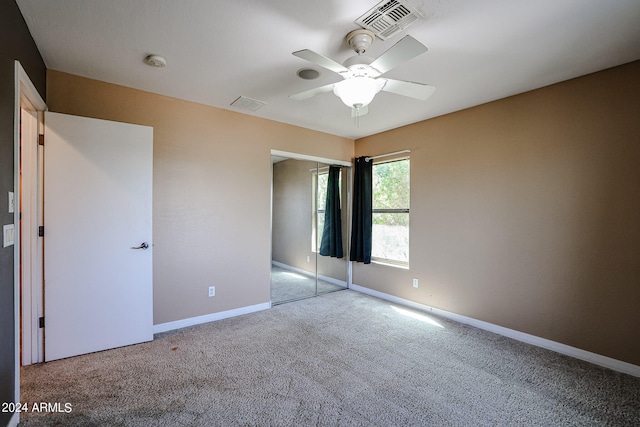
<point>41,322</point>
<point>41,231</point>
<point>40,139</point>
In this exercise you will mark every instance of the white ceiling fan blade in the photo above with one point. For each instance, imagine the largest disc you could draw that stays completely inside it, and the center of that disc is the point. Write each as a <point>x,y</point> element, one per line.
<point>312,92</point>
<point>322,61</point>
<point>359,112</point>
<point>404,50</point>
<point>413,90</point>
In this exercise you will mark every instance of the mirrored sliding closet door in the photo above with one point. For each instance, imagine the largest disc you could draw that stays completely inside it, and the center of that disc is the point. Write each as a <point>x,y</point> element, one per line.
<point>309,229</point>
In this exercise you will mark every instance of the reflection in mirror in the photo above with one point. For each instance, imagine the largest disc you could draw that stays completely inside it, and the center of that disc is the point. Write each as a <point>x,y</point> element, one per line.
<point>299,203</point>
<point>293,261</point>
<point>331,228</point>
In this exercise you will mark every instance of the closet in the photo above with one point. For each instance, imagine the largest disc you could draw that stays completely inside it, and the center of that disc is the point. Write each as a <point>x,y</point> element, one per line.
<point>309,227</point>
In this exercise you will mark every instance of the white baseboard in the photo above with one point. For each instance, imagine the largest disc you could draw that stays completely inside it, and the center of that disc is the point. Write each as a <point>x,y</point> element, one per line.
<point>192,321</point>
<point>292,268</point>
<point>588,356</point>
<point>309,274</point>
<point>14,420</point>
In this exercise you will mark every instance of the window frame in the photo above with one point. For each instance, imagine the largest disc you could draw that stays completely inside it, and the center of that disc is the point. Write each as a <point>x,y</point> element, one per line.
<point>388,261</point>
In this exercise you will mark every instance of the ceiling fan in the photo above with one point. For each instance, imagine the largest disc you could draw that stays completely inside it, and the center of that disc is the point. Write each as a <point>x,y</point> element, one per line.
<point>362,74</point>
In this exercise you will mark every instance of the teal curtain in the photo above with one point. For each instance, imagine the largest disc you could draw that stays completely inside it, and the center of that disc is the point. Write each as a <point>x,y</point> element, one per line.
<point>361,223</point>
<point>331,244</point>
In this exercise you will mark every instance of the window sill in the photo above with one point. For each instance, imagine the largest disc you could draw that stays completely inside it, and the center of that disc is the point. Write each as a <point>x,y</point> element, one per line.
<point>403,266</point>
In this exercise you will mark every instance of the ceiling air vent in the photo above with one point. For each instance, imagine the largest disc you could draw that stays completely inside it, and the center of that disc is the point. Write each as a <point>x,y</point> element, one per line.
<point>248,104</point>
<point>388,18</point>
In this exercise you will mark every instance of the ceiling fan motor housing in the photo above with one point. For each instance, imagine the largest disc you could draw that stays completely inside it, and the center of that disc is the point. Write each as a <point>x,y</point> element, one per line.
<point>359,66</point>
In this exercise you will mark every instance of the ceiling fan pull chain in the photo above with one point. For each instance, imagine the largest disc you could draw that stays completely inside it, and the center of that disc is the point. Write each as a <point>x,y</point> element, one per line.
<point>356,118</point>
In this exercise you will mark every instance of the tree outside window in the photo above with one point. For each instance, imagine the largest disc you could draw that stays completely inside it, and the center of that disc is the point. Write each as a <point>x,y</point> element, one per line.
<point>391,201</point>
<point>320,199</point>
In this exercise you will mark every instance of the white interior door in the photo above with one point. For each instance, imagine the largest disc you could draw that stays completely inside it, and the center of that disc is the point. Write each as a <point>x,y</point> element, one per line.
<point>97,209</point>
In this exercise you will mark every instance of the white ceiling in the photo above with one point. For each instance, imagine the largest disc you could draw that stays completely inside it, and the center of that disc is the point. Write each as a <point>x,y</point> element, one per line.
<point>479,50</point>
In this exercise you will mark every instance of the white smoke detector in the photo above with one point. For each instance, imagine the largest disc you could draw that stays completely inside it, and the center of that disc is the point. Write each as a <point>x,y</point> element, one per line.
<point>155,61</point>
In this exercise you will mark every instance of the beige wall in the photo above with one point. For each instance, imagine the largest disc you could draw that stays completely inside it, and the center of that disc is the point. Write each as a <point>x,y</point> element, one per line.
<point>525,213</point>
<point>212,177</point>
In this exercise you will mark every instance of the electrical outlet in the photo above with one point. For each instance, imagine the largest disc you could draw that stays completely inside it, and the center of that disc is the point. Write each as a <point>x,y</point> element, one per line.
<point>212,291</point>
<point>415,282</point>
<point>308,258</point>
<point>8,235</point>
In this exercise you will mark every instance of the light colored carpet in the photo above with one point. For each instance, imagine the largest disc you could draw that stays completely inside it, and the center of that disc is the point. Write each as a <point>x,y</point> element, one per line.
<point>288,285</point>
<point>341,359</point>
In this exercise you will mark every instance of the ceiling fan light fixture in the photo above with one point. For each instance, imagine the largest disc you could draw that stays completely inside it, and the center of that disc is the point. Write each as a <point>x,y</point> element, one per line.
<point>358,92</point>
<point>362,74</point>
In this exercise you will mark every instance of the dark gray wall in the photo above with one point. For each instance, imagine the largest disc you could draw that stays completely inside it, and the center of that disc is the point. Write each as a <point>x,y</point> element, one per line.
<point>15,43</point>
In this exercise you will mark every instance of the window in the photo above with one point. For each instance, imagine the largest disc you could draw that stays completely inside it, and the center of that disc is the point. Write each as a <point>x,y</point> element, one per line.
<point>319,201</point>
<point>391,197</point>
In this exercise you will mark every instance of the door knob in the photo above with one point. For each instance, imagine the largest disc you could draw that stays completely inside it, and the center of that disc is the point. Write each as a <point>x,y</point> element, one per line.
<point>143,245</point>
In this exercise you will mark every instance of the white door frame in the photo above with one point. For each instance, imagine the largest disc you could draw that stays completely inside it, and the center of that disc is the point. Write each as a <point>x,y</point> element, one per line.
<point>29,210</point>
<point>26,94</point>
